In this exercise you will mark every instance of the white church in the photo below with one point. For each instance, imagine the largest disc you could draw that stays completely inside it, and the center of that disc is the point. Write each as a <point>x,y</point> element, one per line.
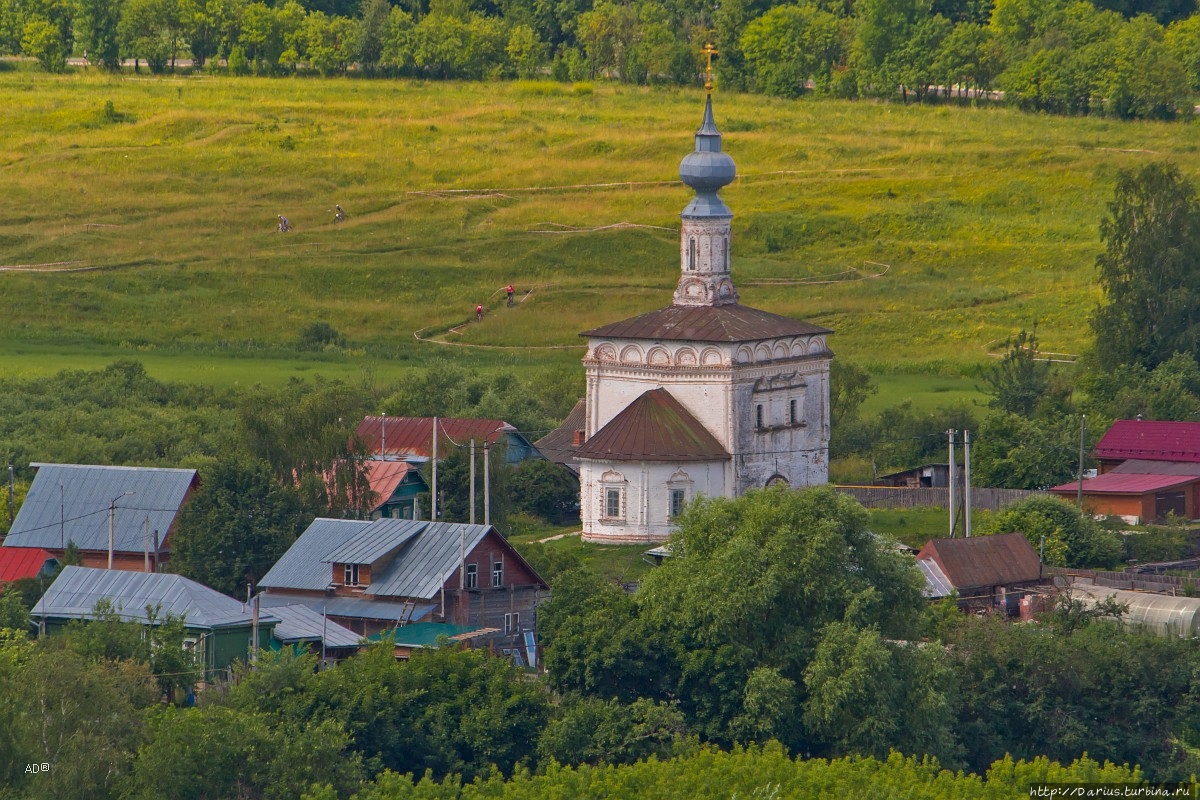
<point>703,397</point>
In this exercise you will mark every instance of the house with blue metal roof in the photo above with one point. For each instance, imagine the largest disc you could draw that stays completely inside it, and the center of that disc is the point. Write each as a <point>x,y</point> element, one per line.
<point>390,573</point>
<point>118,517</point>
<point>219,629</point>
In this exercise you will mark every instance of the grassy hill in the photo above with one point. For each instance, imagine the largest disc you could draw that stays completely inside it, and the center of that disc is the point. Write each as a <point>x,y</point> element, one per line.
<point>923,235</point>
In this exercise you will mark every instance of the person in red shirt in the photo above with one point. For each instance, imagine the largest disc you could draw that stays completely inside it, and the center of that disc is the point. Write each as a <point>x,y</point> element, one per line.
<point>479,313</point>
<point>509,292</point>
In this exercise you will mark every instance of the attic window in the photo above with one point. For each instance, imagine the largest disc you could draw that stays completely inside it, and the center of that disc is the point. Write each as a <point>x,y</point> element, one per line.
<point>350,574</point>
<point>497,573</point>
<point>471,579</point>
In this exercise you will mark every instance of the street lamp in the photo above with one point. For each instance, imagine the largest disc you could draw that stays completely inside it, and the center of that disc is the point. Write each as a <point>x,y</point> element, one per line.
<point>112,508</point>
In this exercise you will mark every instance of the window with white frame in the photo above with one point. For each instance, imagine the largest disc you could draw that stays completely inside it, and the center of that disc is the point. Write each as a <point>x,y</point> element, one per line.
<point>350,574</point>
<point>612,503</point>
<point>471,577</point>
<point>512,623</point>
<point>678,501</point>
<point>497,573</point>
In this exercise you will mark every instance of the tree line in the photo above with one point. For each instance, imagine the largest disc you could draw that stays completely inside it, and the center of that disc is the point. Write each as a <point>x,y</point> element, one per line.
<point>1126,58</point>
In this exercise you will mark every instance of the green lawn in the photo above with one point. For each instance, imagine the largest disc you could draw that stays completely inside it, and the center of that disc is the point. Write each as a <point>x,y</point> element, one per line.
<point>923,235</point>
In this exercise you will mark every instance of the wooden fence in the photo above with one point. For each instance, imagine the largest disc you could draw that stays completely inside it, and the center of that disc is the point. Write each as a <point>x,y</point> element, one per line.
<point>905,497</point>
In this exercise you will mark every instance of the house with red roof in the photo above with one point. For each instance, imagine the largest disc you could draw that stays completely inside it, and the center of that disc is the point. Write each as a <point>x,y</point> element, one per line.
<point>1148,470</point>
<point>26,562</point>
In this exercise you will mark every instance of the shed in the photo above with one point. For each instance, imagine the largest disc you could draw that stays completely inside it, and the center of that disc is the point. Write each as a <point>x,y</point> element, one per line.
<point>985,571</point>
<point>1161,614</point>
<point>926,476</point>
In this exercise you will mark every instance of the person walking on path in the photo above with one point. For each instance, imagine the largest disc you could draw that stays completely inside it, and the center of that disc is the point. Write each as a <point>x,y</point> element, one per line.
<point>284,227</point>
<point>479,313</point>
<point>509,291</point>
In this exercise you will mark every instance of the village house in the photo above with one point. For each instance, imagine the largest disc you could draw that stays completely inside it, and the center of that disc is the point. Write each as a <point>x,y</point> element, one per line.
<point>391,573</point>
<point>397,447</point>
<point>217,629</point>
<point>19,563</point>
<point>984,572</point>
<point>1148,470</point>
<point>118,517</point>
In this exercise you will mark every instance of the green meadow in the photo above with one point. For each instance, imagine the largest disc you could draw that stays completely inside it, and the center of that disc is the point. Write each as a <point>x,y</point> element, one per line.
<point>140,221</point>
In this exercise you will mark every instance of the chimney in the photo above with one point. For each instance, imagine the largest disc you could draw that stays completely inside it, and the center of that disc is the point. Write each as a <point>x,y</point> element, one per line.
<point>577,439</point>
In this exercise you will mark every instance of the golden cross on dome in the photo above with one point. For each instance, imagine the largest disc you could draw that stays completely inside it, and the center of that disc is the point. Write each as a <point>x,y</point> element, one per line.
<point>709,51</point>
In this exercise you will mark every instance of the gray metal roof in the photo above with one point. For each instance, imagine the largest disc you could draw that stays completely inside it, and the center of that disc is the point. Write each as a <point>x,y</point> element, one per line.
<point>76,590</point>
<point>70,502</point>
<point>298,623</point>
<point>936,583</point>
<point>375,541</point>
<point>421,565</point>
<point>420,569</point>
<point>302,567</point>
<point>357,607</point>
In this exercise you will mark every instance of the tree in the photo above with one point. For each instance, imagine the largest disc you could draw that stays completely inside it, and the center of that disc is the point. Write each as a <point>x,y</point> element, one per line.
<point>148,30</point>
<point>1146,81</point>
<point>1072,539</point>
<point>751,585</point>
<point>97,22</point>
<point>44,41</point>
<point>1015,452</point>
<point>1020,379</point>
<point>788,45</point>
<point>1151,288</point>
<point>14,614</point>
<point>546,490</point>
<point>590,731</point>
<point>372,33</point>
<point>849,386</point>
<point>236,525</point>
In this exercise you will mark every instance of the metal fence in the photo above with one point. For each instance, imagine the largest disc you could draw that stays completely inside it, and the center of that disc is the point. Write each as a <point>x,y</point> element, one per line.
<point>906,497</point>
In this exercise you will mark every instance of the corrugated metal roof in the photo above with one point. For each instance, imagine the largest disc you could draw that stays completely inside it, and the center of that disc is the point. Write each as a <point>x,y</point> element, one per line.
<point>1141,466</point>
<point>1150,440</point>
<point>23,562</point>
<point>52,516</point>
<point>384,477</point>
<point>981,561</point>
<point>413,436</point>
<point>375,541</point>
<point>420,569</point>
<point>298,623</point>
<point>357,607</point>
<point>937,585</point>
<point>301,566</point>
<point>732,323</point>
<point>76,590</point>
<point>558,445</point>
<point>654,427</point>
<point>1124,483</point>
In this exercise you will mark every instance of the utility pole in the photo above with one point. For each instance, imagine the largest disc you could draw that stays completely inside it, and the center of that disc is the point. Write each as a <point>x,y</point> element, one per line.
<point>487,482</point>
<point>433,498</point>
<point>112,508</point>
<point>967,482</point>
<point>1079,491</point>
<point>472,481</point>
<point>950,434</point>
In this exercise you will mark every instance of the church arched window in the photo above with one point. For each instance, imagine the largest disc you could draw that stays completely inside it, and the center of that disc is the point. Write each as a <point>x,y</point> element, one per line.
<point>691,254</point>
<point>726,253</point>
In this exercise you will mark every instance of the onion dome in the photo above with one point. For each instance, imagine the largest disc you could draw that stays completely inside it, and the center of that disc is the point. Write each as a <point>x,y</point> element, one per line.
<point>707,169</point>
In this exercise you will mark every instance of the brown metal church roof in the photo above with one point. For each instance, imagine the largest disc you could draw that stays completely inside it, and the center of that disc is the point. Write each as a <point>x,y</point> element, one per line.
<point>732,323</point>
<point>654,427</point>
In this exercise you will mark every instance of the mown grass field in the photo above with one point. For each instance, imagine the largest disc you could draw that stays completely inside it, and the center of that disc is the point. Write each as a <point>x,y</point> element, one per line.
<point>976,222</point>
